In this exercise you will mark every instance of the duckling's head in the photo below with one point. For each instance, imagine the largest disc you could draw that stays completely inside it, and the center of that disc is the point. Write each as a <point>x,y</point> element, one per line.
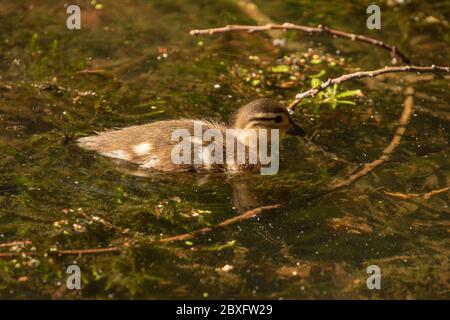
<point>264,113</point>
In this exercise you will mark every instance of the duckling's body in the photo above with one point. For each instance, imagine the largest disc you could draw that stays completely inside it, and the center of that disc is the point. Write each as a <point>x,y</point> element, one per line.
<point>150,146</point>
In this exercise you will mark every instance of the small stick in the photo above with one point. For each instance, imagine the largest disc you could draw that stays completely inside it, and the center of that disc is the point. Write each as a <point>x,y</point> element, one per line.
<point>246,215</point>
<point>362,74</point>
<point>88,251</point>
<point>15,243</point>
<point>425,196</point>
<point>319,29</point>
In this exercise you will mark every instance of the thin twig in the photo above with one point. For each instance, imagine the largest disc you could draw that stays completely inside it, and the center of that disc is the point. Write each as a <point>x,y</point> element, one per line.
<point>88,251</point>
<point>246,215</point>
<point>15,243</point>
<point>425,196</point>
<point>362,74</point>
<point>408,108</point>
<point>319,29</point>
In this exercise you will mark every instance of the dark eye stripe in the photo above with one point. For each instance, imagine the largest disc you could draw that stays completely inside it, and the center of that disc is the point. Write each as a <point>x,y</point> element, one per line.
<point>276,119</point>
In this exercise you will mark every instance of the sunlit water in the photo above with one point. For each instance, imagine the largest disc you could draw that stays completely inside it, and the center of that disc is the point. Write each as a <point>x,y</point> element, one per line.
<point>56,195</point>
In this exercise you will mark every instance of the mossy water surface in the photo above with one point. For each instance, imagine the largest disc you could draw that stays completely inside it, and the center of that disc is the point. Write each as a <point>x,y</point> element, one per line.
<point>134,62</point>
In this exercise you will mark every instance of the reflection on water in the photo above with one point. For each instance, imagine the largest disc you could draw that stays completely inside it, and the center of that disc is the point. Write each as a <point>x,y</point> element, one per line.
<point>134,63</point>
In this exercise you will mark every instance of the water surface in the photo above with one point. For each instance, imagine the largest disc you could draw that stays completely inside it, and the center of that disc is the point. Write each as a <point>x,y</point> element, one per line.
<point>134,62</point>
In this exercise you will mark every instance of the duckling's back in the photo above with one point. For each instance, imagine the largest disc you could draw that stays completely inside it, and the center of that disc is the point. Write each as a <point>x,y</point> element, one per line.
<point>150,146</point>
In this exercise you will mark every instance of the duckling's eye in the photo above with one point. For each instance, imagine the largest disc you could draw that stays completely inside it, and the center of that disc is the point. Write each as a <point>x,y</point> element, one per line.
<point>278,119</point>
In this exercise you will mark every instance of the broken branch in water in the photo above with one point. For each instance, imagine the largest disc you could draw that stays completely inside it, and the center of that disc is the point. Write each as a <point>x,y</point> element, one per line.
<point>319,29</point>
<point>425,196</point>
<point>362,74</point>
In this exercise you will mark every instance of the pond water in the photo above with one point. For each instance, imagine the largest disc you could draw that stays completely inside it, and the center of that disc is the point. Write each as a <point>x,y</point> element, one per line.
<point>134,62</point>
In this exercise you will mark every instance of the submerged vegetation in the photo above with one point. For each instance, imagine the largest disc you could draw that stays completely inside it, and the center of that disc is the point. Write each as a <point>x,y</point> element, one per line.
<point>119,70</point>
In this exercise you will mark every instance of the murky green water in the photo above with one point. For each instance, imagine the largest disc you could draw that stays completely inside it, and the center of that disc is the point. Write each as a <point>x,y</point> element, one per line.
<point>60,197</point>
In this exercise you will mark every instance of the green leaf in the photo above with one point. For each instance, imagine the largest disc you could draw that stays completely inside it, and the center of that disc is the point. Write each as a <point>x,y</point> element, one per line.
<point>315,82</point>
<point>346,102</point>
<point>318,75</point>
<point>349,93</point>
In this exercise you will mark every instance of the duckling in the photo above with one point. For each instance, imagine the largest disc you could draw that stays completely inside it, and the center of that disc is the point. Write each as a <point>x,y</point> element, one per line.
<point>151,146</point>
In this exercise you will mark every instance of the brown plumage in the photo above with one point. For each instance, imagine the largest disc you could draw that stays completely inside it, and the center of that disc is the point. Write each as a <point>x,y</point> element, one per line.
<point>150,145</point>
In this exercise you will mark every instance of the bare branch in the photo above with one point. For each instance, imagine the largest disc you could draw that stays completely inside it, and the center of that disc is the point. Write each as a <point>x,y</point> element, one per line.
<point>362,74</point>
<point>425,196</point>
<point>319,29</point>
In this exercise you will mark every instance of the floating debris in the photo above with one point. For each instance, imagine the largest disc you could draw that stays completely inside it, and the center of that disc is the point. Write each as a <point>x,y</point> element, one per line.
<point>226,268</point>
